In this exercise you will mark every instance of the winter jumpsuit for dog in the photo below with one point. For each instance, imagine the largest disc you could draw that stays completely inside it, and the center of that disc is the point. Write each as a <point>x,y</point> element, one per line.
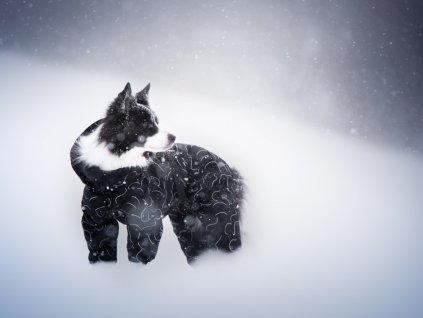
<point>201,194</point>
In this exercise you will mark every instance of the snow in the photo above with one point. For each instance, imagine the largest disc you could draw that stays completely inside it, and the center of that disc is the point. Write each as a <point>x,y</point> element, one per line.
<point>332,224</point>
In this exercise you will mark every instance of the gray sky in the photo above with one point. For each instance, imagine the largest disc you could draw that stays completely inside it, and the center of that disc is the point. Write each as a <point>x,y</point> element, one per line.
<point>348,66</point>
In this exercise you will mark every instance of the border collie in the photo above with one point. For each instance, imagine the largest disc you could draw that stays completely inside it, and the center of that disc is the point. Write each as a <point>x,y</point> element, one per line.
<point>136,174</point>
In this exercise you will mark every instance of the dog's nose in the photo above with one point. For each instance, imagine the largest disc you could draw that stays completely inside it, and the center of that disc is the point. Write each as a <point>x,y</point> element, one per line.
<point>171,137</point>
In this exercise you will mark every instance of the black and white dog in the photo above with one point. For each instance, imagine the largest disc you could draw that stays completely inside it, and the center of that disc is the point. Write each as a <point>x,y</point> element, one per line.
<point>135,173</point>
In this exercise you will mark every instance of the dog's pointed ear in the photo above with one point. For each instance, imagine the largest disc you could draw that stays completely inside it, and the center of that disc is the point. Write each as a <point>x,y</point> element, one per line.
<point>121,101</point>
<point>127,90</point>
<point>142,96</point>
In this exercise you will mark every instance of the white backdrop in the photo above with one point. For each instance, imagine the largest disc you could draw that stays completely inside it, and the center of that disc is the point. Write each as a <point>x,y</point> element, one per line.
<point>332,225</point>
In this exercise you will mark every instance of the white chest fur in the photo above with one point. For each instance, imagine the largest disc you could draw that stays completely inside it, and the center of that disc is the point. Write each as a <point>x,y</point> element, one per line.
<point>95,153</point>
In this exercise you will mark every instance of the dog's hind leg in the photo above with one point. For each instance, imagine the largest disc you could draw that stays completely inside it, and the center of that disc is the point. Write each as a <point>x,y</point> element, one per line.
<point>101,239</point>
<point>198,233</point>
<point>188,230</point>
<point>144,234</point>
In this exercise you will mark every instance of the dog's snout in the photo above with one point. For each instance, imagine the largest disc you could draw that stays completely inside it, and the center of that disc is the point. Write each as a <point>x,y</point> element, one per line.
<point>171,137</point>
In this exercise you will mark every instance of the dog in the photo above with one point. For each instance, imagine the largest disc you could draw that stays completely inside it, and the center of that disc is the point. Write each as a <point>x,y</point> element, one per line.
<point>135,173</point>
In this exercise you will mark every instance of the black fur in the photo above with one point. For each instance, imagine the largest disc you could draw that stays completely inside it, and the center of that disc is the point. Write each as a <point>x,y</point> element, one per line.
<point>128,124</point>
<point>199,192</point>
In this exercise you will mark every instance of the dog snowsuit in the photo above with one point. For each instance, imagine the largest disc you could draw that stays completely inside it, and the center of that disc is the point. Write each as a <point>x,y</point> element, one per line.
<point>201,194</point>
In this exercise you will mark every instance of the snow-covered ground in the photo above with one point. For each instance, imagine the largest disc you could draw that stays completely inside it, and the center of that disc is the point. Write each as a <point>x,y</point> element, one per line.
<point>333,226</point>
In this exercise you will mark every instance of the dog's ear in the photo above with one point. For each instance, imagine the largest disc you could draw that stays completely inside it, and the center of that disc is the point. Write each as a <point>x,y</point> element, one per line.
<point>121,102</point>
<point>127,90</point>
<point>142,96</point>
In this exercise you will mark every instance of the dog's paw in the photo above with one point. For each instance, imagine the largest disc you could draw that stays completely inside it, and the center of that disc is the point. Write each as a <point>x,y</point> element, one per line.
<point>101,256</point>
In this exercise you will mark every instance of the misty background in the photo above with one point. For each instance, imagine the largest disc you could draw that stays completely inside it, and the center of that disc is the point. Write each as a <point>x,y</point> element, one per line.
<point>317,103</point>
<point>361,59</point>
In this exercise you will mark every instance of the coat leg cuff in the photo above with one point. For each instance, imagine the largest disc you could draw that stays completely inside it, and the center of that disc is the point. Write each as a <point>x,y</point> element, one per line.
<point>102,256</point>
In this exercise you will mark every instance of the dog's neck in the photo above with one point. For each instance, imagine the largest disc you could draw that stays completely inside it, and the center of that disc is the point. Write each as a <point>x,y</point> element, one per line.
<point>94,152</point>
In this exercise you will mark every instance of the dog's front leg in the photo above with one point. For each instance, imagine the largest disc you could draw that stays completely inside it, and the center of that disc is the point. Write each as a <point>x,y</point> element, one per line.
<point>144,234</point>
<point>101,239</point>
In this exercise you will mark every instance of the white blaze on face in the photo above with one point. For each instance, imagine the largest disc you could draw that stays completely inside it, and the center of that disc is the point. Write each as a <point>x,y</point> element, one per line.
<point>158,142</point>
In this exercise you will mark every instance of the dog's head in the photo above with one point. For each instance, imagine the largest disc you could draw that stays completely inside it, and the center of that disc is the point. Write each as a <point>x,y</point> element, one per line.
<point>130,123</point>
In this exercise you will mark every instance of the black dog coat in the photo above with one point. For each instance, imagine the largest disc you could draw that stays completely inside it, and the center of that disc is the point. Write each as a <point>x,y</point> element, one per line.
<point>201,194</point>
